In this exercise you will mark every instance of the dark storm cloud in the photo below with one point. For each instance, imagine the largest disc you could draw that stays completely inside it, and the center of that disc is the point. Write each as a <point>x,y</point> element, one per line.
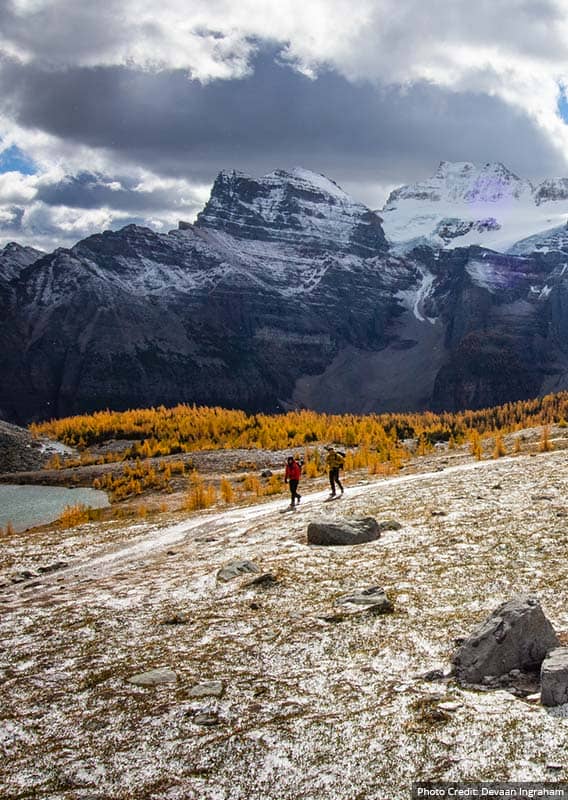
<point>275,117</point>
<point>91,190</point>
<point>65,32</point>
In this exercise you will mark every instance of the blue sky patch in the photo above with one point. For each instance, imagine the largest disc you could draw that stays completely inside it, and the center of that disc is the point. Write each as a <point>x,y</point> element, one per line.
<point>563,104</point>
<point>12,159</point>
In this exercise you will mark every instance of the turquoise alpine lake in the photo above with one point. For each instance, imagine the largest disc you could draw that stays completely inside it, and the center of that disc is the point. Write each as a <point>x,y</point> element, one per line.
<point>28,506</point>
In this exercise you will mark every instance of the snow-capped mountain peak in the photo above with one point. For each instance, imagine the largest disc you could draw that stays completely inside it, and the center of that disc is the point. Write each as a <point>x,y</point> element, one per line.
<point>300,207</point>
<point>464,204</point>
<point>463,183</point>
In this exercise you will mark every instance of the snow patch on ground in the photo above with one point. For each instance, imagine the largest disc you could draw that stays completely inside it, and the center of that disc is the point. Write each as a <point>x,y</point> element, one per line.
<point>309,708</point>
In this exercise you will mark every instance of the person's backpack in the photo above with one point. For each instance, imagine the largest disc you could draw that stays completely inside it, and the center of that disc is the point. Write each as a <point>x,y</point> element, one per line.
<point>340,458</point>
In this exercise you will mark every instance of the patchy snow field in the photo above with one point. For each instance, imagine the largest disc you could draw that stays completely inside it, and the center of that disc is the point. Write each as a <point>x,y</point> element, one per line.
<point>310,709</point>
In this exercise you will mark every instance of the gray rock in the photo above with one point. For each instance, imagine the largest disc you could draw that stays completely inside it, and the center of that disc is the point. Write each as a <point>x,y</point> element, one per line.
<point>432,675</point>
<point>389,525</point>
<point>154,677</point>
<point>264,580</point>
<point>554,678</point>
<point>266,473</point>
<point>361,603</point>
<point>374,599</point>
<point>343,532</point>
<point>23,575</point>
<point>207,689</point>
<point>53,567</point>
<point>206,719</point>
<point>516,635</point>
<point>177,619</point>
<point>18,448</point>
<point>235,569</point>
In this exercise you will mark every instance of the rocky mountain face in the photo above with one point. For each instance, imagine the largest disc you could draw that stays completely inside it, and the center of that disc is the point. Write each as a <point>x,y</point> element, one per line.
<point>219,312</point>
<point>285,292</point>
<point>14,258</point>
<point>298,207</point>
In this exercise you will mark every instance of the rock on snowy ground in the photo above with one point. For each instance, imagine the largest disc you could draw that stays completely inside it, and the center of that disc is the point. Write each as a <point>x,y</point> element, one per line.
<point>299,701</point>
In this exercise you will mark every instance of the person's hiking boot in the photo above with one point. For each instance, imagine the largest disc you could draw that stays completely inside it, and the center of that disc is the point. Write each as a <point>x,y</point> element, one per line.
<point>298,498</point>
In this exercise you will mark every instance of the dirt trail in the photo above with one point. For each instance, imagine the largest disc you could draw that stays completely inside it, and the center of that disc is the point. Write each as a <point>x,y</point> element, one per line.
<point>117,557</point>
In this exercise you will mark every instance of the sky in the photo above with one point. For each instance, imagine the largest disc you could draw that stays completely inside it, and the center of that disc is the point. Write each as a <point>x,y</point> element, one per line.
<point>125,111</point>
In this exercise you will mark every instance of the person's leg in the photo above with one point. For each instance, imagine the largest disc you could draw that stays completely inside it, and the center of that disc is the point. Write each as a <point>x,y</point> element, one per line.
<point>293,491</point>
<point>332,476</point>
<point>339,482</point>
<point>293,485</point>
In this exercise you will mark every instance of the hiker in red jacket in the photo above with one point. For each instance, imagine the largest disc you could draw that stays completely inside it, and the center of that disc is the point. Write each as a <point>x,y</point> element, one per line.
<point>292,476</point>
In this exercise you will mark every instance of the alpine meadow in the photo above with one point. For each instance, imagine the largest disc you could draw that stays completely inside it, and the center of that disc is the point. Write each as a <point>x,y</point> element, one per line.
<point>283,400</point>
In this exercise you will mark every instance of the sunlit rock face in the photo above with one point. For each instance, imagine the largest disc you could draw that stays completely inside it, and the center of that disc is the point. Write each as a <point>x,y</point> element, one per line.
<point>299,207</point>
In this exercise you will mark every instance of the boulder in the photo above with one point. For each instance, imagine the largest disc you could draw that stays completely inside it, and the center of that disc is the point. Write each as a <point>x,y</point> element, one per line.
<point>389,525</point>
<point>373,599</point>
<point>554,678</point>
<point>154,677</point>
<point>53,567</point>
<point>516,636</point>
<point>207,719</point>
<point>264,580</point>
<point>235,569</point>
<point>207,689</point>
<point>343,532</point>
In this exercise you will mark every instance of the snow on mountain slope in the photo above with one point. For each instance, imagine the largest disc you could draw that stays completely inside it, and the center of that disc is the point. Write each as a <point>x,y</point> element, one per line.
<point>413,298</point>
<point>299,207</point>
<point>551,190</point>
<point>553,240</point>
<point>463,205</point>
<point>14,258</point>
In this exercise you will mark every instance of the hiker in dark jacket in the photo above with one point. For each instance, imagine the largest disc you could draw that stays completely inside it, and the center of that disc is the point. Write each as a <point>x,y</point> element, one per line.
<point>292,477</point>
<point>334,462</point>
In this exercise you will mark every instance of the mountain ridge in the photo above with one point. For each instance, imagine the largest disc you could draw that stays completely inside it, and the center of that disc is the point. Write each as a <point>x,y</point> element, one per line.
<point>285,292</point>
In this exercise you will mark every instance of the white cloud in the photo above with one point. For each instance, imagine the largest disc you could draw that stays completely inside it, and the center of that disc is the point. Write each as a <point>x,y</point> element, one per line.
<point>25,217</point>
<point>514,50</point>
<point>17,188</point>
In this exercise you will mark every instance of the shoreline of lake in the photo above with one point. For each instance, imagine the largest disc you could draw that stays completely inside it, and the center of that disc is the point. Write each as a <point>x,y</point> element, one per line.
<point>27,506</point>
